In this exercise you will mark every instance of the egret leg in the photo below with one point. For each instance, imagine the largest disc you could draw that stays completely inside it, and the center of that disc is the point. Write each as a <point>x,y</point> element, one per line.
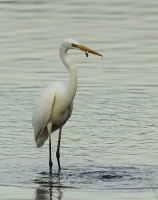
<point>58,149</point>
<point>49,127</point>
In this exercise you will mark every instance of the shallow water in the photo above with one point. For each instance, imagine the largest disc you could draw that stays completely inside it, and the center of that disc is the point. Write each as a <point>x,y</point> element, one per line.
<point>109,145</point>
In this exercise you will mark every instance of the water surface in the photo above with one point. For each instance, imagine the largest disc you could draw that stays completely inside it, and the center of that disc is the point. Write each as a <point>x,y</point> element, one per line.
<point>109,145</point>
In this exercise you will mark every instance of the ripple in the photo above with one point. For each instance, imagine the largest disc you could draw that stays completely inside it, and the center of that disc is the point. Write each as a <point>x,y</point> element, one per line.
<point>108,178</point>
<point>110,141</point>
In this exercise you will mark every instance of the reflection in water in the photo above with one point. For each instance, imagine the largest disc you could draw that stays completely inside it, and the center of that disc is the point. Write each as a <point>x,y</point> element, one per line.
<point>42,193</point>
<point>50,187</point>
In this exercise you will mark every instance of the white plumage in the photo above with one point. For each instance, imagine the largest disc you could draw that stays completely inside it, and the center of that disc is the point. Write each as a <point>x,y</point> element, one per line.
<point>49,107</point>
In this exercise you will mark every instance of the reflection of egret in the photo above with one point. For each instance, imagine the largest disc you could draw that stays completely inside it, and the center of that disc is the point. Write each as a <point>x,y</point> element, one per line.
<point>48,188</point>
<point>42,193</point>
<point>54,107</point>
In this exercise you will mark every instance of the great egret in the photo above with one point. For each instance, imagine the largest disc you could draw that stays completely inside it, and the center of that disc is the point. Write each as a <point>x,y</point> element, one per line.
<point>55,105</point>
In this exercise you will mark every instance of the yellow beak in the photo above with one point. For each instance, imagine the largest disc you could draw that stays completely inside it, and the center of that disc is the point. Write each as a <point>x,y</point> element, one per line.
<point>86,49</point>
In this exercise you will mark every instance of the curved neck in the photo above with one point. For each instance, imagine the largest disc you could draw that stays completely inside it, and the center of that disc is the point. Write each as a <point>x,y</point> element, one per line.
<point>72,86</point>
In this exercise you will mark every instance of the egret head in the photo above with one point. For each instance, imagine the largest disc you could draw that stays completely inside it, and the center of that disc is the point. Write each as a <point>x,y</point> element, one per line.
<point>72,44</point>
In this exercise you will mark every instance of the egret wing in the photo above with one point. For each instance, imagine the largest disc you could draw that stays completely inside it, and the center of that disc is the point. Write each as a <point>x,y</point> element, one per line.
<point>42,111</point>
<point>70,111</point>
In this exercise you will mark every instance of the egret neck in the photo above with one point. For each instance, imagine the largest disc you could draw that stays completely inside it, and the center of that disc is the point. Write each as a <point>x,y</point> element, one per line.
<point>72,86</point>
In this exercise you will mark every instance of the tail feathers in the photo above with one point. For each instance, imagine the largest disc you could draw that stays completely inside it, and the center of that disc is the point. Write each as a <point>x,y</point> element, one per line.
<point>42,138</point>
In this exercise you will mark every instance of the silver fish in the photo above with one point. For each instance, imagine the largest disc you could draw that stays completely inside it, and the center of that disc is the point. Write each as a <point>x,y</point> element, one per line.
<point>86,52</point>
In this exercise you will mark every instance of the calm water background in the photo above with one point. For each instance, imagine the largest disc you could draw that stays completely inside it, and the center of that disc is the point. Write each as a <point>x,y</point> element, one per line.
<point>109,146</point>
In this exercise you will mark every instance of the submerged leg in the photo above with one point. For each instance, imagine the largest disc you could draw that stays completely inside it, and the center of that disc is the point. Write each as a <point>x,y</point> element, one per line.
<point>58,148</point>
<point>49,127</point>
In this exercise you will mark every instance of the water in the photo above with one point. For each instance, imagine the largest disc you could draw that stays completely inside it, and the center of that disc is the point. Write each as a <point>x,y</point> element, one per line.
<point>109,145</point>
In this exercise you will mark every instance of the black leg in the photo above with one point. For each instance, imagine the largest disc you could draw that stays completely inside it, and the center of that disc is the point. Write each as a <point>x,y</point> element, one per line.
<point>49,127</point>
<point>58,149</point>
<point>50,159</point>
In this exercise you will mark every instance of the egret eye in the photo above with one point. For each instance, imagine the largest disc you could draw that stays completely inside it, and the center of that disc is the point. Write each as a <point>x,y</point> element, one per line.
<point>86,52</point>
<point>73,45</point>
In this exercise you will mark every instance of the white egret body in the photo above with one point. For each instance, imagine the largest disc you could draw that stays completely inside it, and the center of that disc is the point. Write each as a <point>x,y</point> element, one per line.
<point>54,106</point>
